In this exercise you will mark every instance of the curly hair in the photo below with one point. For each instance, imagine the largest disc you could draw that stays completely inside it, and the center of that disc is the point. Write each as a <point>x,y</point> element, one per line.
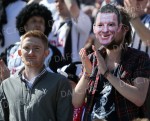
<point>34,9</point>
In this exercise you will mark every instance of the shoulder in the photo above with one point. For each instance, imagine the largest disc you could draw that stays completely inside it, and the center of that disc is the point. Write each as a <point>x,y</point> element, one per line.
<point>56,23</point>
<point>81,19</point>
<point>134,53</point>
<point>12,81</point>
<point>136,57</point>
<point>58,80</point>
<point>55,77</point>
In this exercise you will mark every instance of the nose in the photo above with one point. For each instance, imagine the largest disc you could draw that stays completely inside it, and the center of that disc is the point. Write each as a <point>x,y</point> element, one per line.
<point>37,24</point>
<point>30,51</point>
<point>105,28</point>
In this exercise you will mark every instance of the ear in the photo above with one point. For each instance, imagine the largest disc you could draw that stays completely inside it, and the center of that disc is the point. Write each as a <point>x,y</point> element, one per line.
<point>47,52</point>
<point>19,52</point>
<point>94,30</point>
<point>126,28</point>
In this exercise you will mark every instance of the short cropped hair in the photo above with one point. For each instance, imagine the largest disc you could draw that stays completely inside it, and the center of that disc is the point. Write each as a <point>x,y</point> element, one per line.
<point>108,8</point>
<point>38,34</point>
<point>34,9</point>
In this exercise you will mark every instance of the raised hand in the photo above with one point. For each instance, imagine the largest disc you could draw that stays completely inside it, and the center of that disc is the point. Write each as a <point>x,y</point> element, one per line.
<point>132,8</point>
<point>85,61</point>
<point>100,61</point>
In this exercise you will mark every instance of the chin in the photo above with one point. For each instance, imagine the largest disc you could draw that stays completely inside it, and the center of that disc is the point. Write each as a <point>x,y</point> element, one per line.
<point>106,42</point>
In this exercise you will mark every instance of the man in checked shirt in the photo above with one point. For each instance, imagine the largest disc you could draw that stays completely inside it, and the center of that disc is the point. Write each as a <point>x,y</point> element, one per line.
<point>115,78</point>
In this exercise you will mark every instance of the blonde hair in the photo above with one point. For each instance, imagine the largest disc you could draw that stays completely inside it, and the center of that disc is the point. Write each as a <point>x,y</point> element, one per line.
<point>37,34</point>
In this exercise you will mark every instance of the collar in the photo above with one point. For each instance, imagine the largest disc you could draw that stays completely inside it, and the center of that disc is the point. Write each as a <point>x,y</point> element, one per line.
<point>22,77</point>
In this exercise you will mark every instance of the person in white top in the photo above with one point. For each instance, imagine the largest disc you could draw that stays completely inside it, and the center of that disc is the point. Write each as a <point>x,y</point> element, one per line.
<point>140,21</point>
<point>71,30</point>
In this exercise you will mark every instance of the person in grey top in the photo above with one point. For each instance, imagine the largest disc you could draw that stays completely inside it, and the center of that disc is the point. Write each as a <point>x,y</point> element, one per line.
<point>34,94</point>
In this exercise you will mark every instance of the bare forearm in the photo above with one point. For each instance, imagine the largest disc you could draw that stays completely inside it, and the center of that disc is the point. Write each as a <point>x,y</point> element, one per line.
<point>143,32</point>
<point>79,92</point>
<point>135,93</point>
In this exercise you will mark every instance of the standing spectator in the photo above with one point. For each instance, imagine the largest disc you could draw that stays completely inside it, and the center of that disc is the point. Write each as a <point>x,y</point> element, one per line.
<point>71,30</point>
<point>140,21</point>
<point>141,31</point>
<point>34,94</point>
<point>116,76</point>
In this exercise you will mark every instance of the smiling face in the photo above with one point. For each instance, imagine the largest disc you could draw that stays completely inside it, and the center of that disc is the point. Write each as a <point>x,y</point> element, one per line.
<point>106,28</point>
<point>33,52</point>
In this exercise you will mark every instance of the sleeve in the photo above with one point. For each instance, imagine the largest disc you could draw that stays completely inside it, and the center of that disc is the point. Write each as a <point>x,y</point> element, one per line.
<point>143,67</point>
<point>4,109</point>
<point>64,101</point>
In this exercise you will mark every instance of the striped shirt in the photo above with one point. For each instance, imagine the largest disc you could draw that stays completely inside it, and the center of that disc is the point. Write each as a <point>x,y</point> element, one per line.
<point>137,43</point>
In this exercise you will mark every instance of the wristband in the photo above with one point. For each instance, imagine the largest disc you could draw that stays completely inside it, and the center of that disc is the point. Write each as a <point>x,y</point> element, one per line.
<point>87,75</point>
